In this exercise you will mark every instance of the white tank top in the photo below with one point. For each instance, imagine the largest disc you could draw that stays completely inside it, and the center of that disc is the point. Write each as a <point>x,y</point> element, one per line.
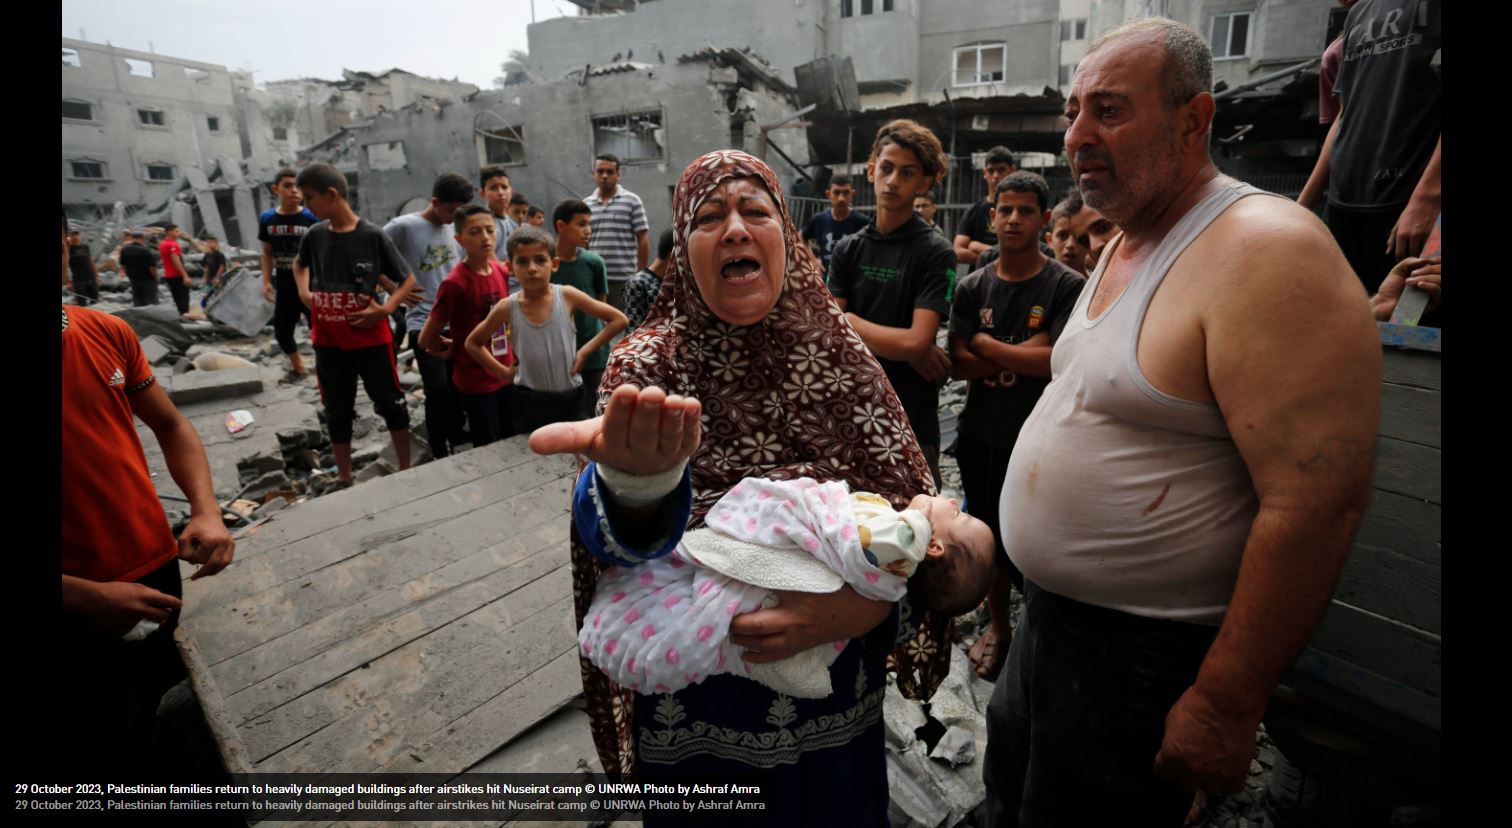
<point>1118,494</point>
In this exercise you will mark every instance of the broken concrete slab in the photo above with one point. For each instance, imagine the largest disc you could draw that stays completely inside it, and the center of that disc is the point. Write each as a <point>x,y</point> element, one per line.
<point>157,350</point>
<point>373,471</point>
<point>259,464</point>
<point>957,746</point>
<point>913,802</point>
<point>162,320</point>
<point>901,717</point>
<point>240,304</point>
<point>272,481</point>
<point>195,386</point>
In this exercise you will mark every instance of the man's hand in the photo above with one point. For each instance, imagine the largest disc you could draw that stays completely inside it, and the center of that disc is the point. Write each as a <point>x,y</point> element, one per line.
<point>1421,273</point>
<point>1206,749</point>
<point>442,348</point>
<point>1412,228</point>
<point>267,291</point>
<point>369,316</point>
<point>933,365</point>
<point>116,606</point>
<point>804,620</point>
<point>577,361</point>
<point>415,296</point>
<point>206,542</point>
<point>641,432</point>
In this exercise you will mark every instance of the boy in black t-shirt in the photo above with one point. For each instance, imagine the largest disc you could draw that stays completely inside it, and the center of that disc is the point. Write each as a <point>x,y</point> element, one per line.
<point>1003,321</point>
<point>280,230</point>
<point>828,227</point>
<point>342,262</point>
<point>974,234</point>
<point>894,277</point>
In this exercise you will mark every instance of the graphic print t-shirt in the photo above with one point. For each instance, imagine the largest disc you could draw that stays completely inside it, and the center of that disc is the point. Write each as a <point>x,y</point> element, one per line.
<point>465,297</point>
<point>827,230</point>
<point>282,233</point>
<point>1010,312</point>
<point>432,251</point>
<point>344,270</point>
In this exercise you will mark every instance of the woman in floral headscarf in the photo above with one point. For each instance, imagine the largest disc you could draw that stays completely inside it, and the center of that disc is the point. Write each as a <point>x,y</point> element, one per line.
<point>745,334</point>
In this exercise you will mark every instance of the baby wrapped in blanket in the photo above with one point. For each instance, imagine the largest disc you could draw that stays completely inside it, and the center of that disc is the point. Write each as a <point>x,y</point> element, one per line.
<point>664,625</point>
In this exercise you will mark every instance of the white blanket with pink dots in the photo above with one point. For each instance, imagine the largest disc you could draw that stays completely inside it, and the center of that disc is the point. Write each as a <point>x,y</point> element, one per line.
<point>663,625</point>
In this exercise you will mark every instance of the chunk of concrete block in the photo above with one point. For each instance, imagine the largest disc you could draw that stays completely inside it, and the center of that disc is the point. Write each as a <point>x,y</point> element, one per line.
<point>157,350</point>
<point>162,320</point>
<point>272,481</point>
<point>957,746</point>
<point>955,702</point>
<point>914,799</point>
<point>210,385</point>
<point>239,303</point>
<point>901,718</point>
<point>373,471</point>
<point>260,464</point>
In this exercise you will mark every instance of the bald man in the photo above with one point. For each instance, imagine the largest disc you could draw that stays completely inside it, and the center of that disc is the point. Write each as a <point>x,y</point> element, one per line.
<point>1182,498</point>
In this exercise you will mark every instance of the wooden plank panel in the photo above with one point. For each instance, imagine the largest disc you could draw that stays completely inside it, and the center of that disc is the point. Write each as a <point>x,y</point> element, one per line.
<point>356,722</point>
<point>1412,414</point>
<point>385,493</point>
<point>248,622</point>
<point>1396,652</point>
<point>1358,683</point>
<point>492,725</point>
<point>439,598</point>
<point>306,556</point>
<point>1393,585</point>
<point>1405,525</point>
<point>1413,368</point>
<point>321,666</point>
<point>1409,469</point>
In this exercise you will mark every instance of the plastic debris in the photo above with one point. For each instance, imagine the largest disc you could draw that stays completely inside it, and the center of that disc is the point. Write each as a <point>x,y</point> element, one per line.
<point>238,420</point>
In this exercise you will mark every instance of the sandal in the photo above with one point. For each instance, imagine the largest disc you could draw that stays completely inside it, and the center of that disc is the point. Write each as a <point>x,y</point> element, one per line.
<point>987,654</point>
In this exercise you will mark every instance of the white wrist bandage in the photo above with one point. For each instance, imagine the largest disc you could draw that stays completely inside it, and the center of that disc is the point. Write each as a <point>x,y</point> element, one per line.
<point>640,490</point>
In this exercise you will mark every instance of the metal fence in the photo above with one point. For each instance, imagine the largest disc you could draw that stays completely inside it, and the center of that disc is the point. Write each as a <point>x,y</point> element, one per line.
<point>974,191</point>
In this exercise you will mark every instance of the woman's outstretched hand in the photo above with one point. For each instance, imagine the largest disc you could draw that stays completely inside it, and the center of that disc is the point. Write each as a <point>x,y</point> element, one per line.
<point>642,432</point>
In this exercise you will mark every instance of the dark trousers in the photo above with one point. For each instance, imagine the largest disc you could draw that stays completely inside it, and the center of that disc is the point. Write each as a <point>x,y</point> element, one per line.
<point>1362,236</point>
<point>179,289</point>
<point>1079,714</point>
<point>490,417</point>
<point>533,409</point>
<point>443,406</point>
<point>86,292</point>
<point>591,379</point>
<point>983,467</point>
<point>143,292</point>
<point>107,691</point>
<point>336,373</point>
<point>286,311</point>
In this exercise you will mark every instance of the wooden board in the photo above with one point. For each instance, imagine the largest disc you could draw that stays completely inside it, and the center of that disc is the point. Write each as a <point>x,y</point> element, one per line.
<point>421,620</point>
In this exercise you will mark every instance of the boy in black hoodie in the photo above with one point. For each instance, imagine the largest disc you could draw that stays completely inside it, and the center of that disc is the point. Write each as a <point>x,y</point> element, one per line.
<point>895,278</point>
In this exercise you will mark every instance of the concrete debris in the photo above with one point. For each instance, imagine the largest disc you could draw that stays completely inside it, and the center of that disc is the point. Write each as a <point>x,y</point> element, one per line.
<point>243,507</point>
<point>157,350</point>
<point>957,746</point>
<point>419,451</point>
<point>182,365</point>
<point>374,470</point>
<point>239,302</point>
<point>409,380</point>
<point>162,320</point>
<point>209,385</point>
<point>901,718</point>
<point>270,507</point>
<point>913,801</point>
<point>218,361</point>
<point>308,459</point>
<point>257,465</point>
<point>271,481</point>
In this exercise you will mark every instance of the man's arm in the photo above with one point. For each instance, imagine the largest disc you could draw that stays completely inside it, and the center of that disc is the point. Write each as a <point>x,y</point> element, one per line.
<point>302,282</point>
<point>178,261</point>
<point>1030,358</point>
<point>899,344</point>
<point>642,249</point>
<point>966,365</point>
<point>1416,222</point>
<point>967,250</point>
<point>205,540</point>
<point>1308,444</point>
<point>1317,183</point>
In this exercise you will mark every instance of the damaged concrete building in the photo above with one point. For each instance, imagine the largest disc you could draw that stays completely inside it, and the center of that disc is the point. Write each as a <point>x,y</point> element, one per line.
<point>656,117</point>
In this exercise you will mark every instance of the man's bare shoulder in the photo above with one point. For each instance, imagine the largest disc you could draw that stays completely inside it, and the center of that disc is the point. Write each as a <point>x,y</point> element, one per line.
<point>1271,245</point>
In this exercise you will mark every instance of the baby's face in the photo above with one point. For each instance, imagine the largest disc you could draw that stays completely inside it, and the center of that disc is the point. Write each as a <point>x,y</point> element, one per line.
<point>949,526</point>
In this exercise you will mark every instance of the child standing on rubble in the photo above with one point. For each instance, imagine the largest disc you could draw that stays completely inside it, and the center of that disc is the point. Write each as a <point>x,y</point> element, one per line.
<point>548,374</point>
<point>342,262</point>
<point>463,299</point>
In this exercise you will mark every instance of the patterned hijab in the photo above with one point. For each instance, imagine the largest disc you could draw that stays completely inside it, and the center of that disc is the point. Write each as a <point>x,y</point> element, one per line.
<point>797,394</point>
